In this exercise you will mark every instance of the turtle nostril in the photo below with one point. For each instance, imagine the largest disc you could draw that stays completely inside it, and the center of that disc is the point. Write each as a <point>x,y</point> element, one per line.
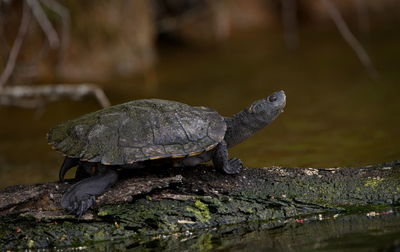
<point>272,98</point>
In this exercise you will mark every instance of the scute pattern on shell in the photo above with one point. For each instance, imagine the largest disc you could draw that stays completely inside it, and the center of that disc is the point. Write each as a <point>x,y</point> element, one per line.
<point>139,130</point>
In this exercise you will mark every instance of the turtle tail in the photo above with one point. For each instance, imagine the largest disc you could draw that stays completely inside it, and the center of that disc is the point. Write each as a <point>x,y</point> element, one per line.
<point>66,166</point>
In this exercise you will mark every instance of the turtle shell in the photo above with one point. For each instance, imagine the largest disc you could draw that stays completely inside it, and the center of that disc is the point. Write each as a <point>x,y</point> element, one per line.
<point>139,130</point>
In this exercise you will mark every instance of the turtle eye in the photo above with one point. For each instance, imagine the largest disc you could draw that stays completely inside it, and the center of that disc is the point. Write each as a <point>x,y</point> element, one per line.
<point>272,98</point>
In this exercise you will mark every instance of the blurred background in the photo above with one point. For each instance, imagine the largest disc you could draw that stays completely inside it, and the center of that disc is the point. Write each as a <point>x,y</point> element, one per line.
<point>337,60</point>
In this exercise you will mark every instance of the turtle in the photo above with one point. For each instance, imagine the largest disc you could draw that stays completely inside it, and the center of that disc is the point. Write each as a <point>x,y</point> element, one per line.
<point>146,133</point>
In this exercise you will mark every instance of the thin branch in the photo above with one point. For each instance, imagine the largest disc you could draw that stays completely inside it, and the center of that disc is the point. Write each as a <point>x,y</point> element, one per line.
<point>12,58</point>
<point>37,96</point>
<point>29,67</point>
<point>44,23</point>
<point>290,23</point>
<point>63,12</point>
<point>350,38</point>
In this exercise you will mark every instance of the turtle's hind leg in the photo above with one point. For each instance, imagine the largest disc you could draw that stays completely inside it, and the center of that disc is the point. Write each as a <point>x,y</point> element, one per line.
<point>66,166</point>
<point>81,196</point>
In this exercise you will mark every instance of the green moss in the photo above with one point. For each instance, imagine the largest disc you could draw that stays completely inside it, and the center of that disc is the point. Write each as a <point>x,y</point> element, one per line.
<point>201,211</point>
<point>102,213</point>
<point>246,209</point>
<point>99,236</point>
<point>31,244</point>
<point>373,182</point>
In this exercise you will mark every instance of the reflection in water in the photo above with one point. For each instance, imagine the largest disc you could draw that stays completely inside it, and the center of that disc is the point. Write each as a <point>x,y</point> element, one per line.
<point>364,232</point>
<point>335,116</point>
<point>344,233</point>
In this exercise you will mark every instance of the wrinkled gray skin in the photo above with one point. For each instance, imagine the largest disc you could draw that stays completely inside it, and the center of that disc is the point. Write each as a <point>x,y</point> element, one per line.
<point>97,177</point>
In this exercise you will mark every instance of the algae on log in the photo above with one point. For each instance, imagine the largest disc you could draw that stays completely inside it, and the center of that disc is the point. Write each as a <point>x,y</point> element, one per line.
<point>152,203</point>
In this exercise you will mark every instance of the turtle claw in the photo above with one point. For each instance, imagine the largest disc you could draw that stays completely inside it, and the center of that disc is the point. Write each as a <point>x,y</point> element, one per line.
<point>82,195</point>
<point>77,204</point>
<point>84,206</point>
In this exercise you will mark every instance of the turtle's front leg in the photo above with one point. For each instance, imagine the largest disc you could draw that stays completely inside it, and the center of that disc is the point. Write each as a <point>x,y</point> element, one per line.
<point>81,196</point>
<point>221,161</point>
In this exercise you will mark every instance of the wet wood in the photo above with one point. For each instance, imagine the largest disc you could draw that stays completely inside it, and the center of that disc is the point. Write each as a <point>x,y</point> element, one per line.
<point>177,200</point>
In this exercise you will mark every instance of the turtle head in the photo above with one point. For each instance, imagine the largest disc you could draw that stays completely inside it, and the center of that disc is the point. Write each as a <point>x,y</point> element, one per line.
<point>258,115</point>
<point>267,109</point>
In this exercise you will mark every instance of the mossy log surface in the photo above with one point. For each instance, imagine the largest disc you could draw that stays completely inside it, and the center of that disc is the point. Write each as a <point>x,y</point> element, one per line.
<point>178,201</point>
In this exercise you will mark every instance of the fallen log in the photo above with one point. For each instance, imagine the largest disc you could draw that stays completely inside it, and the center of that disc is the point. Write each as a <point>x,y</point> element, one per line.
<point>176,201</point>
<point>40,95</point>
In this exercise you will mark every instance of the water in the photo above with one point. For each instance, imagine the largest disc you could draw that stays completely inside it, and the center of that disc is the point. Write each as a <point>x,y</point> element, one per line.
<point>374,231</point>
<point>335,115</point>
<point>343,233</point>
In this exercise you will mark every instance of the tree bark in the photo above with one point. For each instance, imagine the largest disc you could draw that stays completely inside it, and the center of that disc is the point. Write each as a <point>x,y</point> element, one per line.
<point>175,201</point>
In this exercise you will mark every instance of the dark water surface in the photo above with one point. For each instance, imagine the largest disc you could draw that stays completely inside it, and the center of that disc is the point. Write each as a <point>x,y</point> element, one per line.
<point>373,231</point>
<point>335,114</point>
